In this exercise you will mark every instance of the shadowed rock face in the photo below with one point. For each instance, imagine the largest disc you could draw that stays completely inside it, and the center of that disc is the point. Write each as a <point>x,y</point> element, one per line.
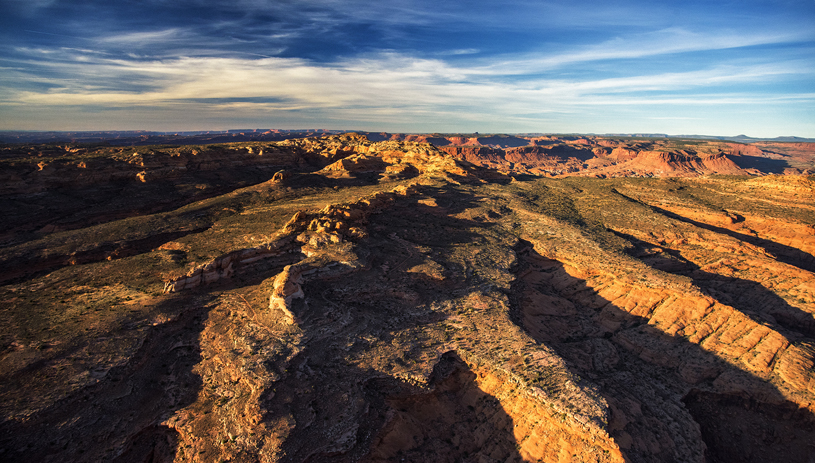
<point>384,301</point>
<point>447,424</point>
<point>737,429</point>
<point>660,388</point>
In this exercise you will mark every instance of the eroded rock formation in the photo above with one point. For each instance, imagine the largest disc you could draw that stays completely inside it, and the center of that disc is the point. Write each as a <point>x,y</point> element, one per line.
<point>385,301</point>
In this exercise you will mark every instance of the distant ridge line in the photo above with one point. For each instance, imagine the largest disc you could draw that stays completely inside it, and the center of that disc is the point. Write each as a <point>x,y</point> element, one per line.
<point>141,137</point>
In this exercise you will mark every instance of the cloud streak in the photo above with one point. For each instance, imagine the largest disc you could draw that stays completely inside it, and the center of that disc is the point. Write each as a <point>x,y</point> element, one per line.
<point>408,64</point>
<point>388,79</point>
<point>649,45</point>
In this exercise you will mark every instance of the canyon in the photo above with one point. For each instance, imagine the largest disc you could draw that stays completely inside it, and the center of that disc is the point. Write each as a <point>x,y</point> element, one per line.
<point>395,297</point>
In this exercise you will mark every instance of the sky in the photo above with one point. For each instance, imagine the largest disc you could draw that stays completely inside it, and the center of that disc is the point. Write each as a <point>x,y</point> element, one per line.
<point>563,66</point>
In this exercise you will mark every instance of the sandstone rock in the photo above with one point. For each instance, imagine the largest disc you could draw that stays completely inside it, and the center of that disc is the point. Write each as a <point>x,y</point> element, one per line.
<point>281,175</point>
<point>642,320</point>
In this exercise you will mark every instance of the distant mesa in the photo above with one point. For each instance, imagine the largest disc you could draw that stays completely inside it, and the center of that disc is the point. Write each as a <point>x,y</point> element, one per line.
<point>143,137</point>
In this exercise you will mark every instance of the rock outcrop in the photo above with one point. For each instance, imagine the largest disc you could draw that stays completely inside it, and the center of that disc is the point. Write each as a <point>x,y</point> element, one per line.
<point>601,157</point>
<point>321,236</point>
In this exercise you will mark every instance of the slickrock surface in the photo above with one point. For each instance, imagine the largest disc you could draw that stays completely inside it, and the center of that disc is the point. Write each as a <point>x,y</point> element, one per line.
<point>603,157</point>
<point>382,301</point>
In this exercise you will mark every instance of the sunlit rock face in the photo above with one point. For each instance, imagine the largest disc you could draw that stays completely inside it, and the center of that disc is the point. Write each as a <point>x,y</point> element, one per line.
<point>399,298</point>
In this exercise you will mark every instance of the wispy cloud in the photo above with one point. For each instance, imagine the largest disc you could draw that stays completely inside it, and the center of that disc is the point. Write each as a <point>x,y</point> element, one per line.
<point>144,38</point>
<point>647,45</point>
<point>387,80</point>
<point>460,51</point>
<point>410,62</point>
<point>28,7</point>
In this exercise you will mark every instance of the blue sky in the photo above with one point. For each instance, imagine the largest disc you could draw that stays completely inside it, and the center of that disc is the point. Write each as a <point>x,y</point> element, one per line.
<point>690,67</point>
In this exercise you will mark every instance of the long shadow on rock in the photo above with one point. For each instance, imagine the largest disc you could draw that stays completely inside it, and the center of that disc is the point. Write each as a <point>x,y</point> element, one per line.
<point>643,372</point>
<point>444,424</point>
<point>18,270</point>
<point>568,151</point>
<point>119,418</point>
<point>377,418</point>
<point>338,399</point>
<point>71,207</point>
<point>748,297</point>
<point>786,254</point>
<point>315,180</point>
<point>770,166</point>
